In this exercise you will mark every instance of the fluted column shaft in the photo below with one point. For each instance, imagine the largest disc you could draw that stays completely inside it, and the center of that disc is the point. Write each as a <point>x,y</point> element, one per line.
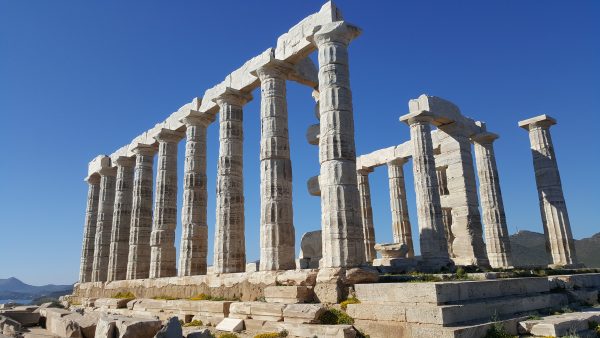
<point>89,231</point>
<point>277,235</point>
<point>496,231</point>
<point>104,224</point>
<point>162,239</point>
<point>557,228</point>
<point>230,246</point>
<point>138,263</point>
<point>194,232</point>
<point>401,230</point>
<point>434,248</point>
<point>342,232</point>
<point>119,240</point>
<point>366,212</point>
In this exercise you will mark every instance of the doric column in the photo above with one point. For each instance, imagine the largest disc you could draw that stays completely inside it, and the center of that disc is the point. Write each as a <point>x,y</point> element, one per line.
<point>434,249</point>
<point>366,213</point>
<point>496,232</point>
<point>230,246</point>
<point>559,239</point>
<point>194,232</point>
<point>89,231</point>
<point>343,242</point>
<point>277,235</point>
<point>162,239</point>
<point>104,223</point>
<point>400,220</point>
<point>138,264</point>
<point>119,240</point>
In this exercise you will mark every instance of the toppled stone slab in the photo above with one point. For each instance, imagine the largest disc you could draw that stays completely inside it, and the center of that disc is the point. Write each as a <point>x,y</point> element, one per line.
<point>321,331</point>
<point>24,316</point>
<point>126,327</point>
<point>200,334</point>
<point>111,303</point>
<point>303,313</point>
<point>257,310</point>
<point>560,325</point>
<point>288,294</point>
<point>9,326</point>
<point>231,325</point>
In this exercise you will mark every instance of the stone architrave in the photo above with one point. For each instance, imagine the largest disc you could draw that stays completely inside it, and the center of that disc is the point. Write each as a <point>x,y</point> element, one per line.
<point>559,239</point>
<point>119,241</point>
<point>468,247</point>
<point>343,242</point>
<point>194,232</point>
<point>401,230</point>
<point>104,223</point>
<point>89,231</point>
<point>277,234</point>
<point>434,248</point>
<point>138,263</point>
<point>230,247</point>
<point>496,231</point>
<point>162,239</point>
<point>366,212</point>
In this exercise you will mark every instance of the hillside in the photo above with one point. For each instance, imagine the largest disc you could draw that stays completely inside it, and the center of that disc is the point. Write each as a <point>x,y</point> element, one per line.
<point>13,288</point>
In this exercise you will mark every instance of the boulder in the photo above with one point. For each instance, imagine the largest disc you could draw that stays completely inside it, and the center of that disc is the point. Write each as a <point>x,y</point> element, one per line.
<point>105,328</point>
<point>303,313</point>
<point>172,329</point>
<point>231,325</point>
<point>128,327</point>
<point>26,317</point>
<point>200,334</point>
<point>9,326</point>
<point>361,275</point>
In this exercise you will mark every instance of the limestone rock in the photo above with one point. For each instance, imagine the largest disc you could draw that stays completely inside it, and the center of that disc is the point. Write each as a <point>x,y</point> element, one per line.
<point>392,250</point>
<point>105,328</point>
<point>171,330</point>
<point>303,313</point>
<point>200,334</point>
<point>361,275</point>
<point>231,325</point>
<point>288,294</point>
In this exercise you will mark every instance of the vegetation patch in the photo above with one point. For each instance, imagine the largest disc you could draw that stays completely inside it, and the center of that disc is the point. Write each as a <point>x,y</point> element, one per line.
<point>351,300</point>
<point>228,335</point>
<point>281,334</point>
<point>124,295</point>
<point>203,296</point>
<point>163,297</point>
<point>335,317</point>
<point>194,322</point>
<point>497,331</point>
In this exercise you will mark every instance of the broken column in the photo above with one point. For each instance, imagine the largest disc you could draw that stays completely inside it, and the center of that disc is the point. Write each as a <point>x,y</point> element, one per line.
<point>119,242</point>
<point>162,238</point>
<point>104,223</point>
<point>138,263</point>
<point>277,235</point>
<point>401,230</point>
<point>434,249</point>
<point>230,246</point>
<point>194,232</point>
<point>496,231</point>
<point>89,231</point>
<point>366,211</point>
<point>559,239</point>
<point>343,243</point>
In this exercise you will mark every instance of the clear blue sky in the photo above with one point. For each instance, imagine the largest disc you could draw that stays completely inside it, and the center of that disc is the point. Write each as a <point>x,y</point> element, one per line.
<point>81,78</point>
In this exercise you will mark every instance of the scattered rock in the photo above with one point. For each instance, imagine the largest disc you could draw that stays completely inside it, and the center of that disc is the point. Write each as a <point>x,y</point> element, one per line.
<point>171,330</point>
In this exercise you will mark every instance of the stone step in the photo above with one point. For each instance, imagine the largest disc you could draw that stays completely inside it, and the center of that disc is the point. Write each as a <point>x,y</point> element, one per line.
<point>561,325</point>
<point>453,314</point>
<point>449,292</point>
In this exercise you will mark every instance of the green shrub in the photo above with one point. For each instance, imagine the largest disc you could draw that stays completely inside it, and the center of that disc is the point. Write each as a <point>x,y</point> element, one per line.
<point>497,331</point>
<point>124,295</point>
<point>228,335</point>
<point>351,300</point>
<point>194,322</point>
<point>268,335</point>
<point>201,296</point>
<point>334,317</point>
<point>163,297</point>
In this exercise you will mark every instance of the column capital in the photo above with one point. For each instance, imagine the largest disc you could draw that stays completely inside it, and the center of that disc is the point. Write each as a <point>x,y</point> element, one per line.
<point>124,161</point>
<point>364,171</point>
<point>196,118</point>
<point>144,149</point>
<point>338,31</point>
<point>93,179</point>
<point>167,135</point>
<point>400,161</point>
<point>420,117</point>
<point>273,69</point>
<point>108,171</point>
<point>484,138</point>
<point>233,97</point>
<point>543,121</point>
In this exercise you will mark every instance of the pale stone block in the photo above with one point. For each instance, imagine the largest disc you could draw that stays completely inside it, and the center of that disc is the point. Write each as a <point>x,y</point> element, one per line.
<point>288,294</point>
<point>231,325</point>
<point>303,313</point>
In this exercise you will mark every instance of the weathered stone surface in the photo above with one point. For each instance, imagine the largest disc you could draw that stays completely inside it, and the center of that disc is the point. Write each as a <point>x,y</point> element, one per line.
<point>401,229</point>
<point>200,334</point>
<point>288,294</point>
<point>310,249</point>
<point>360,275</point>
<point>231,325</point>
<point>321,331</point>
<point>560,325</point>
<point>303,313</point>
<point>555,217</point>
<point>89,232</point>
<point>392,250</point>
<point>25,317</point>
<point>111,303</point>
<point>172,329</point>
<point>105,328</point>
<point>162,239</point>
<point>104,224</point>
<point>62,322</point>
<point>9,326</point>
<point>366,213</point>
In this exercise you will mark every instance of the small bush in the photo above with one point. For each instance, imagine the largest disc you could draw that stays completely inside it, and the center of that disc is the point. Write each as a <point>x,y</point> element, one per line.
<point>268,335</point>
<point>261,299</point>
<point>163,297</point>
<point>228,335</point>
<point>194,322</point>
<point>497,331</point>
<point>124,295</point>
<point>351,300</point>
<point>201,296</point>
<point>461,273</point>
<point>334,317</point>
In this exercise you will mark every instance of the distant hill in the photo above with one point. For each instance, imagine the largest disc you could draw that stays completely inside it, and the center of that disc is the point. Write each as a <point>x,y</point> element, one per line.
<point>529,248</point>
<point>13,288</point>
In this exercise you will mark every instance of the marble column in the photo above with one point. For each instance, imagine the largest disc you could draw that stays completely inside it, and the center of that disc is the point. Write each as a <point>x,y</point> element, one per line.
<point>230,247</point>
<point>104,223</point>
<point>496,231</point>
<point>138,264</point>
<point>89,231</point>
<point>342,233</point>
<point>559,239</point>
<point>366,212</point>
<point>434,249</point>
<point>401,230</point>
<point>119,240</point>
<point>162,239</point>
<point>277,234</point>
<point>194,232</point>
